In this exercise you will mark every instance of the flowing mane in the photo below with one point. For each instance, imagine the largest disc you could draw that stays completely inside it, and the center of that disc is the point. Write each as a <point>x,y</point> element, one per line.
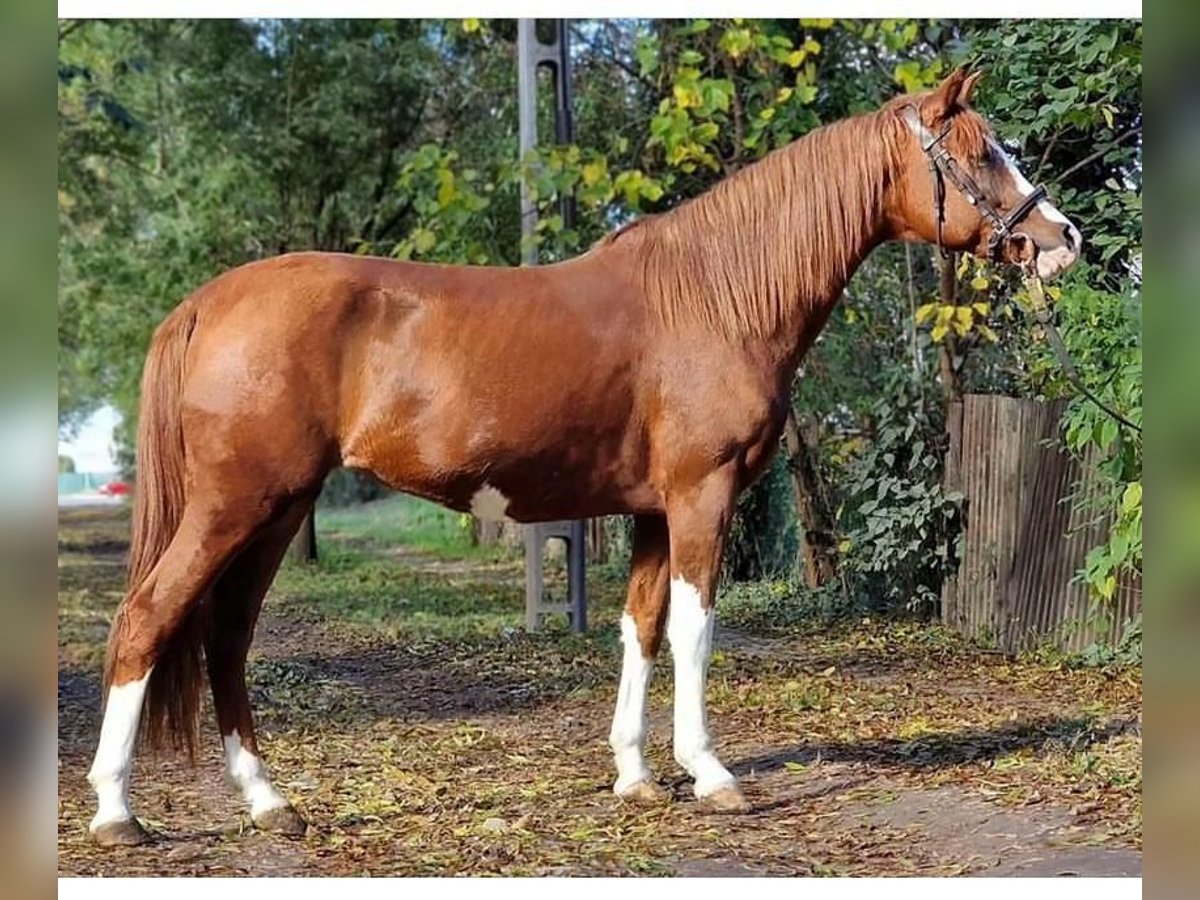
<point>781,234</point>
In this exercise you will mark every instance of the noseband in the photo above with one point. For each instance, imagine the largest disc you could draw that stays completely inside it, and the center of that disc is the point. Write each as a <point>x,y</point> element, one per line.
<point>943,167</point>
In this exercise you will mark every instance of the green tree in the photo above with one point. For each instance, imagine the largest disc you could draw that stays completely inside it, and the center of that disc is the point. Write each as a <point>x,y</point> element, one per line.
<point>187,148</point>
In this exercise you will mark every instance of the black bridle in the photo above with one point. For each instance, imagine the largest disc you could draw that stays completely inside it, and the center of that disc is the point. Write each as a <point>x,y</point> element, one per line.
<point>943,167</point>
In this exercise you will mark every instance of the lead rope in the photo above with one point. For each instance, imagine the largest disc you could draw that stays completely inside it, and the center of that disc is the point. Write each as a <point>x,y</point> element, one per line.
<point>939,203</point>
<point>1041,312</point>
<point>1001,227</point>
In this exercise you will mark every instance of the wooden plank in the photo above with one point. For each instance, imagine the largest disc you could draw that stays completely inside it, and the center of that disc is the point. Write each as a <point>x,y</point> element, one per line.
<point>1026,532</point>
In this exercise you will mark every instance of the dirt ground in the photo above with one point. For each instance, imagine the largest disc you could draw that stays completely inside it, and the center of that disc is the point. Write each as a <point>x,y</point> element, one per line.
<point>422,737</point>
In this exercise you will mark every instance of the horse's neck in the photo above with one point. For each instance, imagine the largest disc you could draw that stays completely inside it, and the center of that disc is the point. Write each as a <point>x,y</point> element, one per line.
<point>809,314</point>
<point>767,255</point>
<point>859,183</point>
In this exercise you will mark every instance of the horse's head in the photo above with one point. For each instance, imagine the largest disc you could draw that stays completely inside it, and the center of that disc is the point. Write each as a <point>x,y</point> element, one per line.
<point>959,188</point>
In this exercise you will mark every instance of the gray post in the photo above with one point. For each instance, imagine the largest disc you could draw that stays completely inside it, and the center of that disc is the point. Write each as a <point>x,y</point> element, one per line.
<point>574,535</point>
<point>532,53</point>
<point>556,56</point>
<point>529,55</point>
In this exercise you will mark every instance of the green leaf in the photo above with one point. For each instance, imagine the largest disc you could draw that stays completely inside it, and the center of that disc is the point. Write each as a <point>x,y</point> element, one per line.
<point>735,42</point>
<point>447,190</point>
<point>593,172</point>
<point>646,51</point>
<point>1119,547</point>
<point>424,240</point>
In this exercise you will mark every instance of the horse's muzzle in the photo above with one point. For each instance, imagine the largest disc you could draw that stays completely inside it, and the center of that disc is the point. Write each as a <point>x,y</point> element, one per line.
<point>1052,263</point>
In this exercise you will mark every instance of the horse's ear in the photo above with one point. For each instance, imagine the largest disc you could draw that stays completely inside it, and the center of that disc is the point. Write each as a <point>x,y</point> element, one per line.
<point>942,99</point>
<point>968,88</point>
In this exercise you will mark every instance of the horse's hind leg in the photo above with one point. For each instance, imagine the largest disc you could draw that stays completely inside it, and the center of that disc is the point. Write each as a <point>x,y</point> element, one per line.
<point>149,619</point>
<point>236,601</point>
<point>698,518</point>
<point>641,635</point>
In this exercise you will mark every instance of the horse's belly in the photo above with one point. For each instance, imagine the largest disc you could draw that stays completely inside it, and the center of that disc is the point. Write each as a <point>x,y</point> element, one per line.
<point>555,470</point>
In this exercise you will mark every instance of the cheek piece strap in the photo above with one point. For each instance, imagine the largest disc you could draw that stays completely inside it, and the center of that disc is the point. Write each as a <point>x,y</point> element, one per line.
<point>944,167</point>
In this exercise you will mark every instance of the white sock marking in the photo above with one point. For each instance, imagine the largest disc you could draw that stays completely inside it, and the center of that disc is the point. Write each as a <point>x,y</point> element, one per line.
<point>690,631</point>
<point>109,775</point>
<point>628,735</point>
<point>488,503</point>
<point>246,772</point>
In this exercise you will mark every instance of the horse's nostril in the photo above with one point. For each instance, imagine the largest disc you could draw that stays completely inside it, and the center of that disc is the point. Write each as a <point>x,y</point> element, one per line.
<point>1071,236</point>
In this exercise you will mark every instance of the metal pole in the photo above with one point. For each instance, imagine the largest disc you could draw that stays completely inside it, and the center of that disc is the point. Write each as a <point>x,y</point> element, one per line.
<point>532,53</point>
<point>528,57</point>
<point>564,119</point>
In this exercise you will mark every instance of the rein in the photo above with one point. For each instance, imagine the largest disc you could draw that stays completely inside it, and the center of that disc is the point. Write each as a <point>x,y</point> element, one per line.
<point>943,167</point>
<point>1041,312</point>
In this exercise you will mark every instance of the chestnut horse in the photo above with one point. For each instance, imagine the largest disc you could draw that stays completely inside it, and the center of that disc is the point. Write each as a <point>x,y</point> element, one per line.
<point>649,376</point>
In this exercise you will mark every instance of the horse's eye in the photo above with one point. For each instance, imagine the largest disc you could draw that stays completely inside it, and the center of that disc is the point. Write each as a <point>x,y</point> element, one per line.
<point>991,156</point>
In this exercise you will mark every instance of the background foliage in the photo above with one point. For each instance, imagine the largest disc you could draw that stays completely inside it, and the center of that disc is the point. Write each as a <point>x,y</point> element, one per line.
<point>187,148</point>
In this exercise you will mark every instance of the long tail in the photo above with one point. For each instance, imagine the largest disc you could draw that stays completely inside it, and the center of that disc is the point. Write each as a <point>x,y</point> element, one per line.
<point>173,695</point>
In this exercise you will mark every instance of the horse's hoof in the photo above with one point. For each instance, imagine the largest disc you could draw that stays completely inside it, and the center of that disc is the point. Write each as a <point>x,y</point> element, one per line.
<point>281,820</point>
<point>643,792</point>
<point>123,833</point>
<point>728,799</point>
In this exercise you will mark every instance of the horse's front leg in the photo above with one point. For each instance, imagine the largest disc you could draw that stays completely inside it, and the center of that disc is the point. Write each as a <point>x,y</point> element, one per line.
<point>698,518</point>
<point>641,635</point>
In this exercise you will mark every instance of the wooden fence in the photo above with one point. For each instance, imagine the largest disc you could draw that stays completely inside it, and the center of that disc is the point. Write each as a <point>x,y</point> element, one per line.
<point>1023,540</point>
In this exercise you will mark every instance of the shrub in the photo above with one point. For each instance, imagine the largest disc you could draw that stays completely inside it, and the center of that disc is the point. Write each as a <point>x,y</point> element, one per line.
<point>901,529</point>
<point>1102,331</point>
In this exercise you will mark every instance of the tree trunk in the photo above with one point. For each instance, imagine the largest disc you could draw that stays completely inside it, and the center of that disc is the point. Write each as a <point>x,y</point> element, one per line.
<point>949,363</point>
<point>484,532</point>
<point>815,525</point>
<point>597,540</point>
<point>304,544</point>
<point>496,532</point>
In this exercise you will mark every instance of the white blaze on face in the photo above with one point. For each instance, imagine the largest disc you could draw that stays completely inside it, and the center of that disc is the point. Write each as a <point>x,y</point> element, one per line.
<point>109,775</point>
<point>690,632</point>
<point>488,503</point>
<point>628,735</point>
<point>246,773</point>
<point>1053,260</point>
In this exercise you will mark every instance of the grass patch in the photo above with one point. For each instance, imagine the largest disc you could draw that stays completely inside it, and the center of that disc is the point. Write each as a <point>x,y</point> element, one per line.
<point>353,585</point>
<point>409,521</point>
<point>408,568</point>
